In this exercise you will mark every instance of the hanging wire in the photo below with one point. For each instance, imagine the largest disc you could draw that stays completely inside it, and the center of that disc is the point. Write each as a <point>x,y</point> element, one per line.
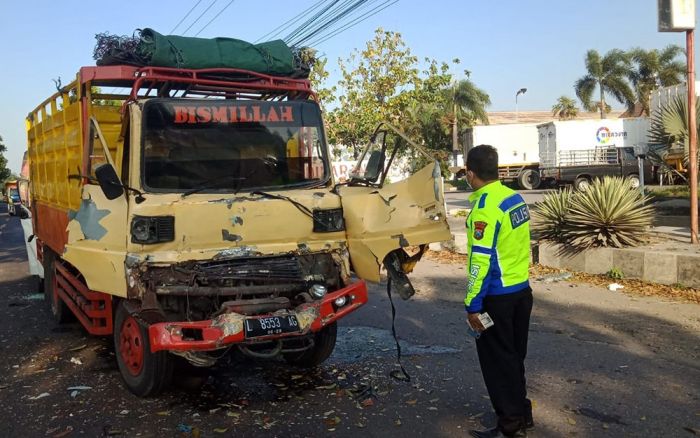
<point>340,13</point>
<point>354,22</point>
<point>215,17</point>
<point>185,17</point>
<point>284,26</point>
<point>198,18</point>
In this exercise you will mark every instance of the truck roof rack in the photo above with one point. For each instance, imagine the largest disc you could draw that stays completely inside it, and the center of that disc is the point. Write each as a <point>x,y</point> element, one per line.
<point>213,82</point>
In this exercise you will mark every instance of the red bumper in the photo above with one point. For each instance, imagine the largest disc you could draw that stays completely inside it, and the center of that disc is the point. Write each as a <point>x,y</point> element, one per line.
<point>223,330</point>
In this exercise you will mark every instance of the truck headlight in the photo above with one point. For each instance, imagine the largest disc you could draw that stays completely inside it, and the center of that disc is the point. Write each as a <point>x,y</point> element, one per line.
<point>152,229</point>
<point>326,221</point>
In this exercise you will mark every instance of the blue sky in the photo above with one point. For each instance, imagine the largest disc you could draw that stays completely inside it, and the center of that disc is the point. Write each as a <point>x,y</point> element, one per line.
<point>506,44</point>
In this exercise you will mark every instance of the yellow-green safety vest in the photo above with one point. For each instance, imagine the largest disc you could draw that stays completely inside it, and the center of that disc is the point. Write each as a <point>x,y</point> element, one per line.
<point>498,244</point>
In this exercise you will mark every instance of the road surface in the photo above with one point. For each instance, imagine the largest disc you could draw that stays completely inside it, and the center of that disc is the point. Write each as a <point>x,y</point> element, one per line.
<point>600,364</point>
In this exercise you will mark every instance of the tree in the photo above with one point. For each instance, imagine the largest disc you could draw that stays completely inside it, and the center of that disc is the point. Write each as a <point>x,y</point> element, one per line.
<point>608,74</point>
<point>372,89</point>
<point>565,108</point>
<point>467,101</point>
<point>318,77</point>
<point>654,68</point>
<point>5,173</point>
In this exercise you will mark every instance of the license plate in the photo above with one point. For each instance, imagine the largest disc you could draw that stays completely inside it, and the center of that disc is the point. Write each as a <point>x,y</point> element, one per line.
<point>270,325</point>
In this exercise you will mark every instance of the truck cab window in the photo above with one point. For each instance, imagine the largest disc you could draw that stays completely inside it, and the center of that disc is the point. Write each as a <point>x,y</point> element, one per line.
<point>215,146</point>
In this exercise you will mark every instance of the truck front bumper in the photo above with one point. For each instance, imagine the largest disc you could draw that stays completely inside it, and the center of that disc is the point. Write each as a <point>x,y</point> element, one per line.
<point>227,329</point>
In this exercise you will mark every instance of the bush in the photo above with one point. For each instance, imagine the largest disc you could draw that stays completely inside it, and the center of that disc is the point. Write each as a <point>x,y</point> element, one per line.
<point>610,213</point>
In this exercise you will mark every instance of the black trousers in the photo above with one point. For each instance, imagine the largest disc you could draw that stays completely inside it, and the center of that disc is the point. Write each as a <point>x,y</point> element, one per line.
<point>502,350</point>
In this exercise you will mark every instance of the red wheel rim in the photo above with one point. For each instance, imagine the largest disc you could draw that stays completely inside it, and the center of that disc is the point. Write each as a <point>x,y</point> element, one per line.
<point>131,346</point>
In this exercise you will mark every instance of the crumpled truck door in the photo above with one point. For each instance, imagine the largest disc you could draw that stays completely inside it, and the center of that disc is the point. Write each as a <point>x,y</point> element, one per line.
<point>382,219</point>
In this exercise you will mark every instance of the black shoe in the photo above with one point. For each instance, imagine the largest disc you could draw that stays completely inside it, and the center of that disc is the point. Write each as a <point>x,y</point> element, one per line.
<point>496,433</point>
<point>529,423</point>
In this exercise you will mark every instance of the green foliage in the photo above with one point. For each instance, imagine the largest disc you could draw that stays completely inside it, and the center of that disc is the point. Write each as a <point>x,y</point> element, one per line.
<point>318,77</point>
<point>654,68</point>
<point>565,108</point>
<point>669,124</point>
<point>551,214</point>
<point>384,82</point>
<point>608,75</point>
<point>5,173</point>
<point>610,213</point>
<point>615,273</point>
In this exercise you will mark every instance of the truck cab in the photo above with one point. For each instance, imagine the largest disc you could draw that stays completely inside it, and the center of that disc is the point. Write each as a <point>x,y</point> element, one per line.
<point>197,212</point>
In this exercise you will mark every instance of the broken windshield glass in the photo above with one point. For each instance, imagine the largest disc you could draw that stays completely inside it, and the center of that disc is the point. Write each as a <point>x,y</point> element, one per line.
<point>239,145</point>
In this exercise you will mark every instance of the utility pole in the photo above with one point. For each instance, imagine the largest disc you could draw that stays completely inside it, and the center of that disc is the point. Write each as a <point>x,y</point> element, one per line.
<point>692,136</point>
<point>679,16</point>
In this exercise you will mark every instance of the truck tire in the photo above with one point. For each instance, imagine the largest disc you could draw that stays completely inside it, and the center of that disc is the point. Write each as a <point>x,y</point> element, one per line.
<point>634,180</point>
<point>582,183</point>
<point>144,373</point>
<point>59,310</point>
<point>529,179</point>
<point>324,344</point>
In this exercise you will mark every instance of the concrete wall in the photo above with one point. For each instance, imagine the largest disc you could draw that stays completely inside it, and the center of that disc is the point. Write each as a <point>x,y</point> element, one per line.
<point>645,264</point>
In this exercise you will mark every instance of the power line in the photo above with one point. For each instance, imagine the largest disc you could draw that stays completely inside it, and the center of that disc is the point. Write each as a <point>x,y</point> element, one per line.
<point>185,17</point>
<point>310,21</point>
<point>355,22</point>
<point>215,17</point>
<point>198,18</point>
<point>282,27</point>
<point>320,29</point>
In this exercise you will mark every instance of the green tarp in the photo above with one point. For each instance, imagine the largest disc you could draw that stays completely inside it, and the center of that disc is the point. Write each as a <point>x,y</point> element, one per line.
<point>272,57</point>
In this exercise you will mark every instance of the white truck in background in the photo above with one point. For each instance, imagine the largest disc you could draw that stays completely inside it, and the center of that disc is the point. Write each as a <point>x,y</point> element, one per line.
<point>578,151</point>
<point>518,152</point>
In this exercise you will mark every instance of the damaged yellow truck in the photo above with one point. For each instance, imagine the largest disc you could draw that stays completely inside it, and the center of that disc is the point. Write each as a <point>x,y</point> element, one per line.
<point>192,211</point>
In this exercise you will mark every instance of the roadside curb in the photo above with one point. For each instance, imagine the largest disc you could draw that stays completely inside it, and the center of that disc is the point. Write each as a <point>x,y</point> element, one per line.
<point>664,267</point>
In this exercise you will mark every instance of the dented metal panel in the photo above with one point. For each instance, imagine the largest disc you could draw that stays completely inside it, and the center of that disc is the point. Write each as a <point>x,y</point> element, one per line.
<point>380,220</point>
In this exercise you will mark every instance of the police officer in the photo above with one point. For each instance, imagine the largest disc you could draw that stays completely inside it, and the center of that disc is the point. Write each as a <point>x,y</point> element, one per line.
<point>498,246</point>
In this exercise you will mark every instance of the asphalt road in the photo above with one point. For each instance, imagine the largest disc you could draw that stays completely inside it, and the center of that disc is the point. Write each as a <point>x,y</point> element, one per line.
<point>601,364</point>
<point>460,199</point>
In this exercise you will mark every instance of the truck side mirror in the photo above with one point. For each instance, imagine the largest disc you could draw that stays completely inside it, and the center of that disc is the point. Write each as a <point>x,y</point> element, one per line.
<point>109,181</point>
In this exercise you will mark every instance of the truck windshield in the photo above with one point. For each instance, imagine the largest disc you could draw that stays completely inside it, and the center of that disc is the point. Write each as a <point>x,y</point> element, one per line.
<point>222,146</point>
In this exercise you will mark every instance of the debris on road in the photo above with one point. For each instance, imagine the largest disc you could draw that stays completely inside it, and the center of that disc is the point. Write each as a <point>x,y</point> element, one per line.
<point>614,287</point>
<point>42,395</point>
<point>76,361</point>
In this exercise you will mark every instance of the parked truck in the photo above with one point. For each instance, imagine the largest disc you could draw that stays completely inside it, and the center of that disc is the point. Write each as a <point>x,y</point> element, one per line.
<point>576,152</point>
<point>198,212</point>
<point>518,152</point>
<point>11,195</point>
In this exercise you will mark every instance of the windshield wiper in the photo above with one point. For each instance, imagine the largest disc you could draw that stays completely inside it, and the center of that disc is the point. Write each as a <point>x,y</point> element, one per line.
<point>212,183</point>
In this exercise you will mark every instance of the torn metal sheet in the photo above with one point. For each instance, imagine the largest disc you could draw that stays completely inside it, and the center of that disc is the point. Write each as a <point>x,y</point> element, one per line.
<point>240,251</point>
<point>226,235</point>
<point>89,216</point>
<point>236,220</point>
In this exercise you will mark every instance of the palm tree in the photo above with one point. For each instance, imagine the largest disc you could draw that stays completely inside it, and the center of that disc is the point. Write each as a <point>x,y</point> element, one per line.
<point>608,75</point>
<point>469,104</point>
<point>654,68</point>
<point>565,108</point>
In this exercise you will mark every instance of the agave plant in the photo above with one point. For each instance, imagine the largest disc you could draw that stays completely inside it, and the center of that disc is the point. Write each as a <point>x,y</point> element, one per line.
<point>550,215</point>
<point>610,213</point>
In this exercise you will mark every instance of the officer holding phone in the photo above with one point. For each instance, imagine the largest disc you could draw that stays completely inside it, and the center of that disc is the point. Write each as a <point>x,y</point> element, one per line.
<point>498,247</point>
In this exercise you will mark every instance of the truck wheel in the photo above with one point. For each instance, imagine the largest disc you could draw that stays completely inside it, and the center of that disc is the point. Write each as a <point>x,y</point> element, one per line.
<point>60,312</point>
<point>324,343</point>
<point>634,180</point>
<point>144,373</point>
<point>582,183</point>
<point>529,179</point>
